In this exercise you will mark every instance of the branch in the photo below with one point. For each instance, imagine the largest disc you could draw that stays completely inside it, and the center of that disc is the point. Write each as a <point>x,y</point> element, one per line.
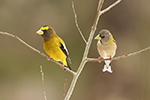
<point>120,57</point>
<point>76,22</point>
<point>64,88</point>
<point>45,98</point>
<point>111,6</point>
<point>29,46</point>
<point>86,51</point>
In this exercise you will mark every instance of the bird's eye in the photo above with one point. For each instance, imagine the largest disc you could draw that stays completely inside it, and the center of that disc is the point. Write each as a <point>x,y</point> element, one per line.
<point>102,36</point>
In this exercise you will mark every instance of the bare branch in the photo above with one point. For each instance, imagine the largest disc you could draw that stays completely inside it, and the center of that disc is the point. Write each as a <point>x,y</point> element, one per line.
<point>16,37</point>
<point>29,46</point>
<point>86,51</point>
<point>99,12</point>
<point>131,54</point>
<point>88,44</point>
<point>100,4</point>
<point>44,93</point>
<point>120,57</point>
<point>111,6</point>
<point>64,88</point>
<point>76,22</point>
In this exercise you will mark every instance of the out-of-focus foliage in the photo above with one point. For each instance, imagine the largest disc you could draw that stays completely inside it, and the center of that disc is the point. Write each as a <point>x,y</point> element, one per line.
<point>20,77</point>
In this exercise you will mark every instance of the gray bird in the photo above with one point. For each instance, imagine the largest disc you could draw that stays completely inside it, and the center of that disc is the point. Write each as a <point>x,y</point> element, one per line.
<point>106,46</point>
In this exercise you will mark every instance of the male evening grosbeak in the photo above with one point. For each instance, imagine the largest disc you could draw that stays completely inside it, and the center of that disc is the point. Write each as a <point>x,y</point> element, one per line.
<point>54,46</point>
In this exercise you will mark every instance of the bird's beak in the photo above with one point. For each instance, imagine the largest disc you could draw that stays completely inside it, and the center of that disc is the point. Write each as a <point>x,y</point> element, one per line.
<point>97,37</point>
<point>40,32</point>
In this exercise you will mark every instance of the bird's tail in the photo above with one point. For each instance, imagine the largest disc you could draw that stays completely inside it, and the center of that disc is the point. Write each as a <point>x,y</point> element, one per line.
<point>67,64</point>
<point>107,66</point>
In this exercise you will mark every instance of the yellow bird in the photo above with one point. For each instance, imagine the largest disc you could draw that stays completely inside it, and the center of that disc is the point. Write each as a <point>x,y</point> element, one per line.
<point>106,46</point>
<point>54,46</point>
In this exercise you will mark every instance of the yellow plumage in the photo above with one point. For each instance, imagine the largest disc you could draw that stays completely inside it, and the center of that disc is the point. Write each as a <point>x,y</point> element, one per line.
<point>54,46</point>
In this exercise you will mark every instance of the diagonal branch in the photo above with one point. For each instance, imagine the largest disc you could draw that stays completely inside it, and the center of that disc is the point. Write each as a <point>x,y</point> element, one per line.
<point>29,46</point>
<point>88,44</point>
<point>120,57</point>
<point>86,51</point>
<point>16,37</point>
<point>111,6</point>
<point>131,54</point>
<point>76,22</point>
<point>100,4</point>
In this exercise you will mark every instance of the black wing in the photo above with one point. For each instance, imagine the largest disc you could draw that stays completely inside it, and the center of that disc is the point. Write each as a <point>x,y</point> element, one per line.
<point>64,49</point>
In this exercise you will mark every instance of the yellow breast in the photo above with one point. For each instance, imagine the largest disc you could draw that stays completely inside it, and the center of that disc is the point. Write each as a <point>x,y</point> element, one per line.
<point>52,48</point>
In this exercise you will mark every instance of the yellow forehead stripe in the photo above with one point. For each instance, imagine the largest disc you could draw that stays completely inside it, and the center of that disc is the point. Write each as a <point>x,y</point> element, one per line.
<point>45,28</point>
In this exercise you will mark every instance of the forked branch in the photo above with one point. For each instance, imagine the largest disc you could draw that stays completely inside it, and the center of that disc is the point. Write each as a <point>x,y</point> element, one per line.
<point>86,51</point>
<point>85,58</point>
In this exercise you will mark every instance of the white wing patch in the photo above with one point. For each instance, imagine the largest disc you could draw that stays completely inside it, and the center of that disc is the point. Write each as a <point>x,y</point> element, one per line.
<point>65,49</point>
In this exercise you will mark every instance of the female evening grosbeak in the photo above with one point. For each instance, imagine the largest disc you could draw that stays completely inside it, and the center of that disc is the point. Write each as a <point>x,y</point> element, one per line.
<point>54,46</point>
<point>106,46</point>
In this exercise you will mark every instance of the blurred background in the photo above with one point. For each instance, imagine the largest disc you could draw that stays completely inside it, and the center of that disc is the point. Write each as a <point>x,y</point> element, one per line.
<point>20,77</point>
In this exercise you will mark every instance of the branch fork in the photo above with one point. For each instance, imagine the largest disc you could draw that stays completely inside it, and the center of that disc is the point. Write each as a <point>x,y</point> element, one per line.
<point>85,59</point>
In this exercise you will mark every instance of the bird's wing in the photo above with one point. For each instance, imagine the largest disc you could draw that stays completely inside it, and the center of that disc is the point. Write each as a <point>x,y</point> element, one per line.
<point>64,49</point>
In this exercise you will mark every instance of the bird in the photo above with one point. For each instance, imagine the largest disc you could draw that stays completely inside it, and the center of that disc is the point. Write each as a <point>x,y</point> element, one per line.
<point>54,46</point>
<point>106,46</point>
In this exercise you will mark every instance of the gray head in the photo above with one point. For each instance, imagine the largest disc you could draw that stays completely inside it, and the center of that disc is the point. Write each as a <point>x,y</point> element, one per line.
<point>104,36</point>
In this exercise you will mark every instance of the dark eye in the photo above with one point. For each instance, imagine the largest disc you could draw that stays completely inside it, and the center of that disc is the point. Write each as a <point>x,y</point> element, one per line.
<point>102,36</point>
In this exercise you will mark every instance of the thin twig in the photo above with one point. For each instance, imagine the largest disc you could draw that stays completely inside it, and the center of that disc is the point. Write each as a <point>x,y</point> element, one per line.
<point>76,22</point>
<point>86,51</point>
<point>64,88</point>
<point>120,57</point>
<point>100,4</point>
<point>29,46</point>
<point>97,17</point>
<point>110,7</point>
<point>44,93</point>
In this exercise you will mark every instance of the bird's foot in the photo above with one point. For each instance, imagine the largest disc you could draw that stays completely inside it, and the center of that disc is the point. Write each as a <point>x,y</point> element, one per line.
<point>110,58</point>
<point>99,59</point>
<point>48,57</point>
<point>63,66</point>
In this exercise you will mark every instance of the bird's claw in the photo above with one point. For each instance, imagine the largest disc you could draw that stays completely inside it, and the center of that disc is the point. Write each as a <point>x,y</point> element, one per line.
<point>63,66</point>
<point>48,57</point>
<point>99,59</point>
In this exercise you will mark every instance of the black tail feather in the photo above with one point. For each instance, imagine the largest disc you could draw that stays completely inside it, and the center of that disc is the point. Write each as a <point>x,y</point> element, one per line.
<point>68,65</point>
